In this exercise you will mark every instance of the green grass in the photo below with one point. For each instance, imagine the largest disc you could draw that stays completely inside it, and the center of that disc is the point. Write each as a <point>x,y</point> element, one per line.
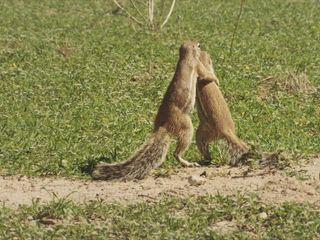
<point>192,218</point>
<point>67,95</point>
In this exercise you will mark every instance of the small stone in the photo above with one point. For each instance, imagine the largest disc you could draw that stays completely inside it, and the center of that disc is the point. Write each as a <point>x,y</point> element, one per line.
<point>196,180</point>
<point>263,215</point>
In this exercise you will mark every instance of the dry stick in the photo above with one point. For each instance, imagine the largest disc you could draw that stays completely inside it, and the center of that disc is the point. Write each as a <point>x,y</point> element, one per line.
<point>137,9</point>
<point>236,27</point>
<point>142,2</point>
<point>151,11</point>
<point>129,15</point>
<point>169,14</point>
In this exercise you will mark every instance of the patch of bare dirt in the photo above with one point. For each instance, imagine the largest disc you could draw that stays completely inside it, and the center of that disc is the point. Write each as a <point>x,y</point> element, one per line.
<point>224,227</point>
<point>271,186</point>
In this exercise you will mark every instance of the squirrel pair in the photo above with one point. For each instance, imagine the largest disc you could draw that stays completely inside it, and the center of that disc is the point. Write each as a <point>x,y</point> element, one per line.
<point>194,81</point>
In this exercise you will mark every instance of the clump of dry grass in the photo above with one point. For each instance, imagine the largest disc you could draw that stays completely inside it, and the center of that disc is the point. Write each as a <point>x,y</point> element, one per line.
<point>285,83</point>
<point>140,17</point>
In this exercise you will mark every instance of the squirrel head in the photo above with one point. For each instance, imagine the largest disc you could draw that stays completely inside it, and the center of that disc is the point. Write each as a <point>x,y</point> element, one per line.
<point>190,48</point>
<point>206,59</point>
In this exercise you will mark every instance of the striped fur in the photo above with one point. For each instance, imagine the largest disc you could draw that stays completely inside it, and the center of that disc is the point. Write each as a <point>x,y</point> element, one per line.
<point>150,155</point>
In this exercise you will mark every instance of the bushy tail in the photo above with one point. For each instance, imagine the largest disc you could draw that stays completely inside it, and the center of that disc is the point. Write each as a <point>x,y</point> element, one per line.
<point>149,156</point>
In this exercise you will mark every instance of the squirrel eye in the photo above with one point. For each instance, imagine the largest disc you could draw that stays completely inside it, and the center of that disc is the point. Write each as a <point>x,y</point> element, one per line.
<point>198,45</point>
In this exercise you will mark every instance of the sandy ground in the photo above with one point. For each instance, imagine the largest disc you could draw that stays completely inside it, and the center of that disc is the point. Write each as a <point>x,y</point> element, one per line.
<point>270,185</point>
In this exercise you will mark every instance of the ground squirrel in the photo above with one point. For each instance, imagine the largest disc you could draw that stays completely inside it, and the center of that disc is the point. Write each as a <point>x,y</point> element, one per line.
<point>215,118</point>
<point>172,120</point>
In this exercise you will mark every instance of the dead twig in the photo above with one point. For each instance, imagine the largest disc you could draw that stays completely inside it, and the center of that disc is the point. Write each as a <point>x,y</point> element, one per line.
<point>151,12</point>
<point>169,14</point>
<point>137,9</point>
<point>129,15</point>
<point>236,26</point>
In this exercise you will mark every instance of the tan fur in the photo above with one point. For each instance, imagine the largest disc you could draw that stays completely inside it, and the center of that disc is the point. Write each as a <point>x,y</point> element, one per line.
<point>215,118</point>
<point>172,120</point>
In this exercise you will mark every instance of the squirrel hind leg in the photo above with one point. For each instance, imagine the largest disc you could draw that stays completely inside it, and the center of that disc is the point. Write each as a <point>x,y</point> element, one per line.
<point>202,141</point>
<point>183,142</point>
<point>237,148</point>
